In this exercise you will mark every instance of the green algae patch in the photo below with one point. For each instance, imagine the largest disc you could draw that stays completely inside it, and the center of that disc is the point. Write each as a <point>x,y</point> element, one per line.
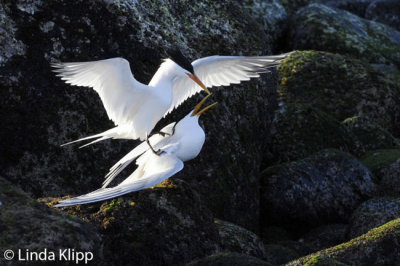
<point>323,261</point>
<point>379,159</point>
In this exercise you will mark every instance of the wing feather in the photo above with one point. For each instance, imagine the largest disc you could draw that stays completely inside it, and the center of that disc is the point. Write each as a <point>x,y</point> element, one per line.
<point>112,79</point>
<point>221,71</point>
<point>156,169</point>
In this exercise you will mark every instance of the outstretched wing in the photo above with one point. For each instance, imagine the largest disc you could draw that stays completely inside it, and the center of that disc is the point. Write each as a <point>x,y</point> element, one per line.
<point>136,152</point>
<point>112,79</point>
<point>157,169</point>
<point>221,71</point>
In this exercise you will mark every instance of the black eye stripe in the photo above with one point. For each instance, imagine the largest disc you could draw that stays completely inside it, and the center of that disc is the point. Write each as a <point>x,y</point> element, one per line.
<point>177,56</point>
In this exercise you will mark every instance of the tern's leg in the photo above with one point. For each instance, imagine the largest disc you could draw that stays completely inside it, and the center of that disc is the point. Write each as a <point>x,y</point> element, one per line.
<point>151,147</point>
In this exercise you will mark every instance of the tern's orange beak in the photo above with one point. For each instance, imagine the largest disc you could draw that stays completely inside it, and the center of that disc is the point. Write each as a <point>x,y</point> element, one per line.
<point>197,80</point>
<point>197,110</point>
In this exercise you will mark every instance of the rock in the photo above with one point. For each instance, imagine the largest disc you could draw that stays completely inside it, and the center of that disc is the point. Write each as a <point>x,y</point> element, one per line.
<point>357,7</point>
<point>40,112</point>
<point>299,247</point>
<point>274,234</point>
<point>278,254</point>
<point>167,225</point>
<point>299,130</point>
<point>380,159</point>
<point>326,236</point>
<point>26,224</point>
<point>379,246</point>
<point>342,87</point>
<point>320,260</point>
<point>229,259</point>
<point>293,5</point>
<point>370,135</point>
<point>373,213</point>
<point>389,185</point>
<point>237,239</point>
<point>322,188</point>
<point>342,32</point>
<point>385,11</point>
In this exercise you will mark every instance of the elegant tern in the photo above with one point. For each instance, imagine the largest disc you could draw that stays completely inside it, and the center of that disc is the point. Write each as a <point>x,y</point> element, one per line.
<point>178,142</point>
<point>135,108</point>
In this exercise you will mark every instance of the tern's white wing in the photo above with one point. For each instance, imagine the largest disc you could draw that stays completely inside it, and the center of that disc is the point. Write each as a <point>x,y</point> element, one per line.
<point>156,169</point>
<point>112,79</point>
<point>221,71</point>
<point>136,152</point>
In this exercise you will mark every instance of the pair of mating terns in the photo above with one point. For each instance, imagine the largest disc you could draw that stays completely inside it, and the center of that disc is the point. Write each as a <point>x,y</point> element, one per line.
<point>135,108</point>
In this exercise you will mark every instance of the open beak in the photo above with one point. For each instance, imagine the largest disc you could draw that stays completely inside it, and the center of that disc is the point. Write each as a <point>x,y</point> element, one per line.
<point>197,110</point>
<point>197,80</point>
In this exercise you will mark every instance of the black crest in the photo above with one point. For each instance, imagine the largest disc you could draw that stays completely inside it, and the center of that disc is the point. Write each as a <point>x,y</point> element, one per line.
<point>177,56</point>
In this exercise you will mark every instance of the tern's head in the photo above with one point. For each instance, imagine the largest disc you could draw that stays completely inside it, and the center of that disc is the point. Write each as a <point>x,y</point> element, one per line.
<point>185,67</point>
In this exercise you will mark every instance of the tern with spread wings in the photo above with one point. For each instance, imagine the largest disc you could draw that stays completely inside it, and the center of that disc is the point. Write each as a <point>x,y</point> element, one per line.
<point>177,143</point>
<point>135,108</point>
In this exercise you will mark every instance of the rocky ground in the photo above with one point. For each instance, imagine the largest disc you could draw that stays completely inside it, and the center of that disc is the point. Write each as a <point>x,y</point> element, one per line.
<point>300,167</point>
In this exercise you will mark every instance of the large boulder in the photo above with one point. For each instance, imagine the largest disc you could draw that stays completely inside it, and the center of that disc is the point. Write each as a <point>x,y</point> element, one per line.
<point>40,112</point>
<point>26,224</point>
<point>237,239</point>
<point>370,135</point>
<point>373,213</point>
<point>385,11</point>
<point>299,130</point>
<point>326,236</point>
<point>378,160</point>
<point>322,188</point>
<point>229,259</point>
<point>166,225</point>
<point>343,32</point>
<point>379,246</point>
<point>341,86</point>
<point>389,184</point>
<point>357,7</point>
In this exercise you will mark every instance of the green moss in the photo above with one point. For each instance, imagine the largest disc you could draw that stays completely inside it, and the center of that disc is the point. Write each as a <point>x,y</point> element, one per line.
<point>320,260</point>
<point>343,32</point>
<point>114,205</point>
<point>341,86</point>
<point>376,160</point>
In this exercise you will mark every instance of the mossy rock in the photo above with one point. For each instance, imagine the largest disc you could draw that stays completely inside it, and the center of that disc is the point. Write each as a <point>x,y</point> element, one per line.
<point>370,135</point>
<point>326,236</point>
<point>357,7</point>
<point>299,130</point>
<point>342,87</point>
<point>373,213</point>
<point>323,188</point>
<point>386,12</point>
<point>389,185</point>
<point>323,261</point>
<point>342,32</point>
<point>278,254</point>
<point>166,225</point>
<point>380,159</point>
<point>229,259</point>
<point>27,224</point>
<point>238,239</point>
<point>380,246</point>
